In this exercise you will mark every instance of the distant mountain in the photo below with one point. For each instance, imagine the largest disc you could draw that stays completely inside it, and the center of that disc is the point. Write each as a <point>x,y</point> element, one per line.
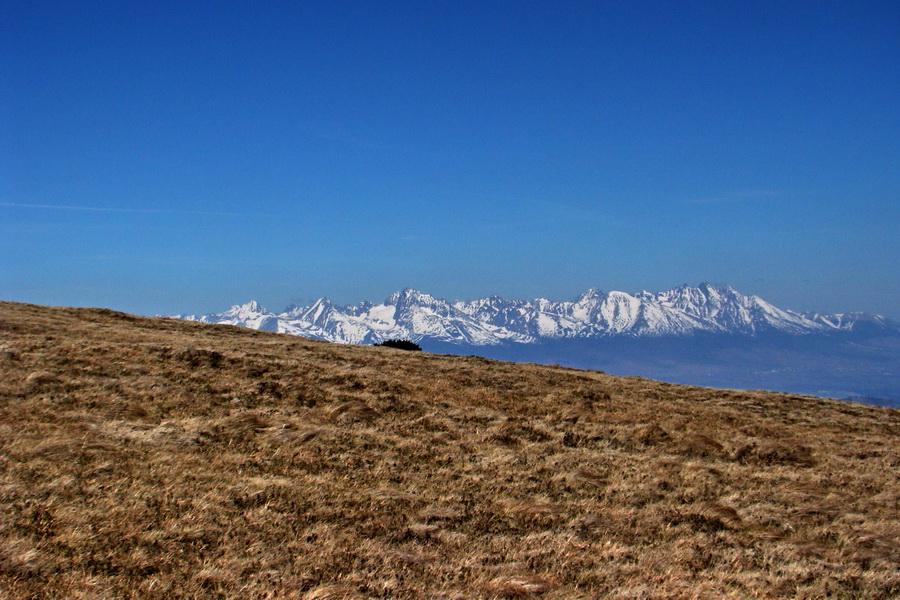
<point>493,321</point>
<point>705,335</point>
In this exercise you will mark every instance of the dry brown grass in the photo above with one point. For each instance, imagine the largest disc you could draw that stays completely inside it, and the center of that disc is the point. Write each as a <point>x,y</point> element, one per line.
<point>153,458</point>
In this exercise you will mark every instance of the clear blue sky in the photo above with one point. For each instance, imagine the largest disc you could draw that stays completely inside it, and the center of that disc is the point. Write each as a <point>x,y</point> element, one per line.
<point>162,157</point>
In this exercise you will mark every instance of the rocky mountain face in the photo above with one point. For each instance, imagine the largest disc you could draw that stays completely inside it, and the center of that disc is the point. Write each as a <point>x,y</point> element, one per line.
<point>410,314</point>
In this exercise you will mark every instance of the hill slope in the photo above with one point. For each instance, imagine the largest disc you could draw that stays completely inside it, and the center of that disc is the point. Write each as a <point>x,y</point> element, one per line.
<point>155,458</point>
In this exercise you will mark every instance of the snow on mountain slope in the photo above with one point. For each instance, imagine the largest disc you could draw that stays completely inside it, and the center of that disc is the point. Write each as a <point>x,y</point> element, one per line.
<point>410,314</point>
<point>725,309</point>
<point>851,320</point>
<point>250,315</point>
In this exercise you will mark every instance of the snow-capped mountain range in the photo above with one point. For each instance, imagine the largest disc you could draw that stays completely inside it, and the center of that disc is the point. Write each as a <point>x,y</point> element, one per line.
<point>410,314</point>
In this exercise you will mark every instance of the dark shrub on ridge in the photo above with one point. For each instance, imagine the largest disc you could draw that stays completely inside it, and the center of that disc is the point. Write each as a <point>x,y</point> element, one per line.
<point>401,345</point>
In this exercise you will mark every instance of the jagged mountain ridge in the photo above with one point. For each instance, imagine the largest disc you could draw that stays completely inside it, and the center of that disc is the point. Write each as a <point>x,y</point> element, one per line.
<point>414,315</point>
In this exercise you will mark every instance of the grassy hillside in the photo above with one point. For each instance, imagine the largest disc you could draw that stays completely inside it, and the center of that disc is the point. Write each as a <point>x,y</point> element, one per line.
<point>153,458</point>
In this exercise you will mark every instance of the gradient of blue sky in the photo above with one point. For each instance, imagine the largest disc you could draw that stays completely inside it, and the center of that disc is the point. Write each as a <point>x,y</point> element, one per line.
<point>182,156</point>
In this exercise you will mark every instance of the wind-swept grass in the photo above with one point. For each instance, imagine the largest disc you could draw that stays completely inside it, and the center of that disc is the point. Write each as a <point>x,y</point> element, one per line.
<point>154,458</point>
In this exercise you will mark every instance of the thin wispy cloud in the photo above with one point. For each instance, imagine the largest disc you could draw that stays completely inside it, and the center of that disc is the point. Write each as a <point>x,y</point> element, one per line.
<point>152,211</point>
<point>530,211</point>
<point>169,261</point>
<point>740,197</point>
<point>552,212</point>
<point>569,212</point>
<point>341,136</point>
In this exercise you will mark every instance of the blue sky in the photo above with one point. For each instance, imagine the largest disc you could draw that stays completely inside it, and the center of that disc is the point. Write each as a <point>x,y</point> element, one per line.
<point>183,156</point>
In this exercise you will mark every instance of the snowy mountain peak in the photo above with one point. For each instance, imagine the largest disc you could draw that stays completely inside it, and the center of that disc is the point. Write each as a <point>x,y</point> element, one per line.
<point>414,315</point>
<point>405,296</point>
<point>247,309</point>
<point>591,294</point>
